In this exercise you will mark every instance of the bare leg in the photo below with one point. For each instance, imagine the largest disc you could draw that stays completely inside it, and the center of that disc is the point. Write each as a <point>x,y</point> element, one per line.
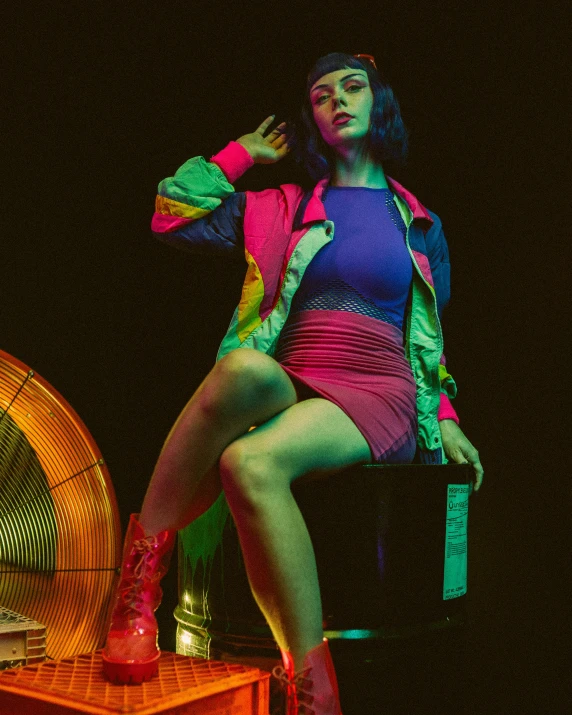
<point>245,388</point>
<point>256,472</point>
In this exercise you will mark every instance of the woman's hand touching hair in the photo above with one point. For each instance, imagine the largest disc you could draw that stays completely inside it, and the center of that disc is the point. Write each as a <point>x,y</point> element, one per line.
<point>458,449</point>
<point>266,149</point>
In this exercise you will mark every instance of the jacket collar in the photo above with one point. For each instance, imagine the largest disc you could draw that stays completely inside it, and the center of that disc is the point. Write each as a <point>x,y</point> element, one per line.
<point>314,209</point>
<point>417,209</point>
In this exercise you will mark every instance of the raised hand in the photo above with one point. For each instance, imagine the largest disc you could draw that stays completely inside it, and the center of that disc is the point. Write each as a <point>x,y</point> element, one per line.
<point>266,149</point>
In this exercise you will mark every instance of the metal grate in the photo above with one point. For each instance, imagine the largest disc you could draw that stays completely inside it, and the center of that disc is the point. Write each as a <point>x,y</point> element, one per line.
<point>183,685</point>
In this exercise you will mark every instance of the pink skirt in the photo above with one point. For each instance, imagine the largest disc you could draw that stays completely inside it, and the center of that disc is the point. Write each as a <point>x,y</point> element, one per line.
<point>358,363</point>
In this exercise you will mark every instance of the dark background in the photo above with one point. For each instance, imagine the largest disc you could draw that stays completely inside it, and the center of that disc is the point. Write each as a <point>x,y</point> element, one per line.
<point>102,101</point>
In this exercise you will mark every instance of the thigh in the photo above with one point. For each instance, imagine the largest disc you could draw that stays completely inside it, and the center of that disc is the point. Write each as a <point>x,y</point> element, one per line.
<point>247,378</point>
<point>313,436</point>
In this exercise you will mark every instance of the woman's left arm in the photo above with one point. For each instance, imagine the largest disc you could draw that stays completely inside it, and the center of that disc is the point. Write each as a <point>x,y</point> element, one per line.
<point>455,444</point>
<point>458,449</point>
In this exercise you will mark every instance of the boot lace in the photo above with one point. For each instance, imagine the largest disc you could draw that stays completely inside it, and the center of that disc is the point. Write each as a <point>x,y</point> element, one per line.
<point>131,592</point>
<point>300,684</point>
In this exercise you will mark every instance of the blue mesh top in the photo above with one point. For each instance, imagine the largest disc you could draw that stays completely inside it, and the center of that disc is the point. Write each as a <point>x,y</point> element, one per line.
<point>367,268</point>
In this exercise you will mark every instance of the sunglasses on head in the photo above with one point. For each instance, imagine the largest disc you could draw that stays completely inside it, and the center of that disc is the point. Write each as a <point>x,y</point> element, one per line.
<point>369,58</point>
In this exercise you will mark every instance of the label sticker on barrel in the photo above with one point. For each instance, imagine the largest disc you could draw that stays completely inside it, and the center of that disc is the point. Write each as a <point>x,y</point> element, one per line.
<point>455,579</point>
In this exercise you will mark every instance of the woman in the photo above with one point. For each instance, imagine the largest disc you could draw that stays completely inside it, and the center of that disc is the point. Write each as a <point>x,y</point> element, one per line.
<point>322,369</point>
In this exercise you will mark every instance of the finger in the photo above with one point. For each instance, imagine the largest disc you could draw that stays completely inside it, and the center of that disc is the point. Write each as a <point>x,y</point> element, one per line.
<point>283,151</point>
<point>469,456</point>
<point>265,124</point>
<point>279,141</point>
<point>478,469</point>
<point>479,473</point>
<point>277,132</point>
<point>458,456</point>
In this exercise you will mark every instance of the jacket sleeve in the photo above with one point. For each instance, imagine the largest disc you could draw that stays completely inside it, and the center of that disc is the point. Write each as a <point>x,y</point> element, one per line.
<point>198,210</point>
<point>438,254</point>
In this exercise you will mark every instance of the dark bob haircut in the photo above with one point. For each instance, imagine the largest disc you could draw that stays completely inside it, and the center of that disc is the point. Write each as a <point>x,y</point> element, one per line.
<point>387,138</point>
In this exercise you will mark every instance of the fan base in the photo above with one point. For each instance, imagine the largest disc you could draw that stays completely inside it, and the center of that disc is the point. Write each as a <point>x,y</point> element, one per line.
<point>22,640</point>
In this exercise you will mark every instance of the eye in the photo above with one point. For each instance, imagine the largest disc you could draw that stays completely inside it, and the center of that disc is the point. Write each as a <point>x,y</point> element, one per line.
<point>321,98</point>
<point>354,87</point>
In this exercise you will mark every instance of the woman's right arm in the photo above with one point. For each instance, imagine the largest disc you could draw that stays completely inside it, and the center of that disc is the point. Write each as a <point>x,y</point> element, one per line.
<point>198,210</point>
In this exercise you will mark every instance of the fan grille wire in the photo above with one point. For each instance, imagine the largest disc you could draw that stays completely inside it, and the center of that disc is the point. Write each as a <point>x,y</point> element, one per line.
<point>59,522</point>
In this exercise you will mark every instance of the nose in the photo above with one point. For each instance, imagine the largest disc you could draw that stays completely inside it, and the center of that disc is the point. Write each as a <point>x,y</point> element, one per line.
<point>338,99</point>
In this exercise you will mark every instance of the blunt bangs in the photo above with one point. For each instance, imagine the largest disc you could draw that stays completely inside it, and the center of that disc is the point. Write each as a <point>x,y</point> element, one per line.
<point>387,139</point>
<point>331,63</point>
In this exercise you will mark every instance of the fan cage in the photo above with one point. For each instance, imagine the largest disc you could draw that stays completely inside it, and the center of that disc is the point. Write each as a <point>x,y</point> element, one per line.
<point>59,522</point>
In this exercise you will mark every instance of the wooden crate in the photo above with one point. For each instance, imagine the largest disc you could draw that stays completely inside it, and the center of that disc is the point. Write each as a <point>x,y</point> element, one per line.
<point>184,686</point>
<point>22,640</point>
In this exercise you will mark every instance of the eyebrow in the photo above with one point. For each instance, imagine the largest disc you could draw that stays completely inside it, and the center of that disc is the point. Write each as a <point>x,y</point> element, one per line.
<point>321,86</point>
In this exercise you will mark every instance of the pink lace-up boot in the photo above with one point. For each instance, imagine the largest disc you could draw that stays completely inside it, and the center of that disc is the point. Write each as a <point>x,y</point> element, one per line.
<point>131,654</point>
<point>313,690</point>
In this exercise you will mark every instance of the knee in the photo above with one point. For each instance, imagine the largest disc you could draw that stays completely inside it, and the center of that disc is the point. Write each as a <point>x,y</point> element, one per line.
<point>240,379</point>
<point>249,477</point>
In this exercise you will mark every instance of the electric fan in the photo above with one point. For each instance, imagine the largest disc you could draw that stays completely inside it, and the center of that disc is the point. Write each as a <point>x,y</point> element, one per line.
<point>59,522</point>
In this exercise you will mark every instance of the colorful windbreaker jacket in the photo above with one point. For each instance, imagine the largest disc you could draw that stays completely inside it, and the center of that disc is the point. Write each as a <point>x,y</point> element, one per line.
<point>279,231</point>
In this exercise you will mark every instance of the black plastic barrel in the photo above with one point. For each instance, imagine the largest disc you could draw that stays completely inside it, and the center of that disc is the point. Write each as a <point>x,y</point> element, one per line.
<point>391,549</point>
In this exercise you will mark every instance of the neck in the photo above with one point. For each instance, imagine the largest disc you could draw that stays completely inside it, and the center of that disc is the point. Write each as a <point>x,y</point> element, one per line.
<point>354,167</point>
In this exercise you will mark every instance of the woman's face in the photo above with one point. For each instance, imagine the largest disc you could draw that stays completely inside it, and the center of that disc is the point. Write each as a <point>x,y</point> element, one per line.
<point>341,103</point>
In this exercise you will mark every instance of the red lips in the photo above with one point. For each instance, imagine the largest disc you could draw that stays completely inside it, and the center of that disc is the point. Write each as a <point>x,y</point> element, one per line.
<point>342,118</point>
